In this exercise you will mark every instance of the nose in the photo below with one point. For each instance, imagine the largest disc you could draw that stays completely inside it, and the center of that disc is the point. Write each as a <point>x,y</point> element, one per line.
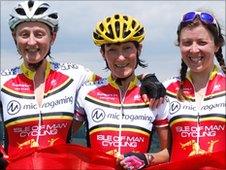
<point>31,40</point>
<point>194,48</point>
<point>121,57</point>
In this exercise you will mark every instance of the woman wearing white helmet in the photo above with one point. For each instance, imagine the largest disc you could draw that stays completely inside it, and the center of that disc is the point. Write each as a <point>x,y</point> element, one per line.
<point>31,14</point>
<point>38,96</point>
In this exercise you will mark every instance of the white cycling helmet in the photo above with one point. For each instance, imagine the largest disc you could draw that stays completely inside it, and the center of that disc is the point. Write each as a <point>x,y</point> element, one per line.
<point>34,11</point>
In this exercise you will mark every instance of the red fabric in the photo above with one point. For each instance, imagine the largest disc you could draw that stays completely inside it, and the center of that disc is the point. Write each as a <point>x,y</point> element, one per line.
<point>212,161</point>
<point>61,157</point>
<point>78,157</point>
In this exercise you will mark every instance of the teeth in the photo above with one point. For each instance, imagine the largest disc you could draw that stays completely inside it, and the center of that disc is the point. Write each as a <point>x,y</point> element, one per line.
<point>195,59</point>
<point>121,65</point>
<point>32,49</point>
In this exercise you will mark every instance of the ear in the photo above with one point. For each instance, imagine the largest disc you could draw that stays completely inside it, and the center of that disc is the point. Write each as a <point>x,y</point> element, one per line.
<point>102,53</point>
<point>216,48</point>
<point>139,49</point>
<point>14,36</point>
<point>53,37</point>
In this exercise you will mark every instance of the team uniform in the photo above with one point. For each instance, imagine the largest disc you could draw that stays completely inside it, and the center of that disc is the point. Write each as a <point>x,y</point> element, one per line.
<point>26,124</point>
<point>197,128</point>
<point>117,124</point>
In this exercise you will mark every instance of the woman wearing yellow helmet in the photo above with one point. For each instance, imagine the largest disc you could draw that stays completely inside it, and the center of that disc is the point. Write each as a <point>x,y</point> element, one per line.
<point>119,121</point>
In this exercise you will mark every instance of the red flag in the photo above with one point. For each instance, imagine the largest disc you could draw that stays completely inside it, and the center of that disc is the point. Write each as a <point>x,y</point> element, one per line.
<point>61,157</point>
<point>78,157</point>
<point>211,161</point>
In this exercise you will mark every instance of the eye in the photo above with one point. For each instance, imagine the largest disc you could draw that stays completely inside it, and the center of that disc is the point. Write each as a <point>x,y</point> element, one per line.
<point>202,43</point>
<point>127,47</point>
<point>39,34</point>
<point>111,50</point>
<point>186,43</point>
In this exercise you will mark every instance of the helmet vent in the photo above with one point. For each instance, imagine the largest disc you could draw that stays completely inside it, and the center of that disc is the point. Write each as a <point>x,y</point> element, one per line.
<point>101,27</point>
<point>117,16</point>
<point>20,11</point>
<point>110,34</point>
<point>133,24</point>
<point>141,32</point>
<point>126,33</point>
<point>55,16</point>
<point>96,36</point>
<point>108,19</point>
<point>40,10</point>
<point>117,28</point>
<point>125,17</point>
<point>30,3</point>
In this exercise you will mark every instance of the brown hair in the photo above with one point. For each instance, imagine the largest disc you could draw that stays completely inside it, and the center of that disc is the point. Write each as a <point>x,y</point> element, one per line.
<point>215,30</point>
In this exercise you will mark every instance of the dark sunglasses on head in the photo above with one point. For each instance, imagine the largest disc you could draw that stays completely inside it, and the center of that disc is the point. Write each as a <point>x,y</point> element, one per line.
<point>204,17</point>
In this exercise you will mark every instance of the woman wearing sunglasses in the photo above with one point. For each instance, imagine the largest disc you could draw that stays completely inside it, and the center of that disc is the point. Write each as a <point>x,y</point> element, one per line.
<point>37,98</point>
<point>197,96</point>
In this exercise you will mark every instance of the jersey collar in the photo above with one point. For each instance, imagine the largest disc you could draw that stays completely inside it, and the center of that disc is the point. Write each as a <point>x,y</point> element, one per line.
<point>211,76</point>
<point>132,84</point>
<point>30,74</point>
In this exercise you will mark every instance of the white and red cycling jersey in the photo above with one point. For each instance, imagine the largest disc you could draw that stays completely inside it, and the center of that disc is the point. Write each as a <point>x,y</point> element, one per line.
<point>117,124</point>
<point>28,125</point>
<point>197,129</point>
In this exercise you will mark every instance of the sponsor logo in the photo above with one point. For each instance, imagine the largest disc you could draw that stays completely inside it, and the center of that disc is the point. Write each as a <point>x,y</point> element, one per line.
<point>201,131</point>
<point>50,104</point>
<point>61,101</point>
<point>123,141</point>
<point>68,66</point>
<point>43,130</point>
<point>98,115</point>
<point>131,117</point>
<point>174,107</point>
<point>213,106</point>
<point>13,107</point>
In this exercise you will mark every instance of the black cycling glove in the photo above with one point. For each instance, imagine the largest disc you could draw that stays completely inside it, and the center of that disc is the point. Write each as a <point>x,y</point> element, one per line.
<point>151,86</point>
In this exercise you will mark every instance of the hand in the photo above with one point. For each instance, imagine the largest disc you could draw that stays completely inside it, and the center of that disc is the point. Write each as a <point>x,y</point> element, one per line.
<point>134,161</point>
<point>152,90</point>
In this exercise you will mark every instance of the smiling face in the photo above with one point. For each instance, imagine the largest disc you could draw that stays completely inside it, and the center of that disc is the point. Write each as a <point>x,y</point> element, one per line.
<point>33,40</point>
<point>121,59</point>
<point>197,49</point>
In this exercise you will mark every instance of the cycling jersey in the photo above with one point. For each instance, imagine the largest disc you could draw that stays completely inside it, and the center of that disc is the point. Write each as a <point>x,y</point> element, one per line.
<point>197,129</point>
<point>27,124</point>
<point>112,118</point>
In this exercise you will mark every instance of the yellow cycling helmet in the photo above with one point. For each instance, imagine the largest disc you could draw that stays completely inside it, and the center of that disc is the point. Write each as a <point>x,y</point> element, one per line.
<point>118,28</point>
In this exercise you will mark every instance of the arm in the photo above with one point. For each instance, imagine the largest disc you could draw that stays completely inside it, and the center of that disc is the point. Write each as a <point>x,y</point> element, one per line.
<point>3,156</point>
<point>134,160</point>
<point>163,155</point>
<point>76,125</point>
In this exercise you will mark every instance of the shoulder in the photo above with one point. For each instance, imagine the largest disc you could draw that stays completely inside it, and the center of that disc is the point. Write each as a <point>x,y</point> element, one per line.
<point>10,72</point>
<point>92,86</point>
<point>75,71</point>
<point>98,83</point>
<point>67,66</point>
<point>171,80</point>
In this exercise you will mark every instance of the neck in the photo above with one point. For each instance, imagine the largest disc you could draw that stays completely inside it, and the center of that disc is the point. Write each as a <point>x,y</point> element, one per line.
<point>200,80</point>
<point>123,83</point>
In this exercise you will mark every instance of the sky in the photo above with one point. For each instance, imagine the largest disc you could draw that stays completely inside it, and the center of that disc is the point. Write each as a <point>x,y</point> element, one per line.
<point>77,21</point>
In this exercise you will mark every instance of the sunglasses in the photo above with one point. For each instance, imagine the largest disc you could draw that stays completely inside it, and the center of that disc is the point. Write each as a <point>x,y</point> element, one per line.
<point>204,17</point>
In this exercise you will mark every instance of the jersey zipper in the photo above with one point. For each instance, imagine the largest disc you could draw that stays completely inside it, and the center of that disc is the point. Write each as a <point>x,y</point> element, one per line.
<point>39,108</point>
<point>122,98</point>
<point>198,107</point>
